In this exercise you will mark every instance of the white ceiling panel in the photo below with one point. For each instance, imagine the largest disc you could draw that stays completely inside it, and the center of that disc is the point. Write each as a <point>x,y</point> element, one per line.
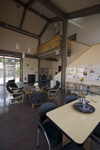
<point>11,13</point>
<point>43,10</point>
<point>33,23</point>
<point>73,5</point>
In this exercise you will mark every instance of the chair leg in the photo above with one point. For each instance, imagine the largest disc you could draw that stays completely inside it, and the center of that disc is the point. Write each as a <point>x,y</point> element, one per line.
<point>38,133</point>
<point>47,141</point>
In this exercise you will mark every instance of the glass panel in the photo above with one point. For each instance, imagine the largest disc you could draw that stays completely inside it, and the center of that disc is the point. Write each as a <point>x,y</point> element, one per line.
<point>17,70</point>
<point>1,71</point>
<point>9,69</point>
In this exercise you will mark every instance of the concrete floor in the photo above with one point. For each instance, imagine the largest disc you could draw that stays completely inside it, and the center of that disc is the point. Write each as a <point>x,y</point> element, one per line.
<point>18,124</point>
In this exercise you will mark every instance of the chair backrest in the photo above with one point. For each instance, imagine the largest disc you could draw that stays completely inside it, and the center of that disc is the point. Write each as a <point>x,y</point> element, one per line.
<point>44,108</point>
<point>96,131</point>
<point>69,92</point>
<point>43,84</point>
<point>8,88</point>
<point>57,85</point>
<point>12,84</point>
<point>70,98</point>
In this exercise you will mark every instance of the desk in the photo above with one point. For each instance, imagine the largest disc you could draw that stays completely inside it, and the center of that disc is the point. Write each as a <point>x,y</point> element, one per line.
<point>77,125</point>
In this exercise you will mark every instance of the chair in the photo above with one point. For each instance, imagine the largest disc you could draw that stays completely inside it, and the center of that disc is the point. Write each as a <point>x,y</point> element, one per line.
<point>37,98</point>
<point>69,92</point>
<point>70,98</point>
<point>18,95</point>
<point>95,136</point>
<point>13,85</point>
<point>46,127</point>
<point>72,146</point>
<point>52,93</point>
<point>43,84</point>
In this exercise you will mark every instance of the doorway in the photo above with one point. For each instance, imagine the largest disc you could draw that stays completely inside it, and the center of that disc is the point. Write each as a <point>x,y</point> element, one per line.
<point>9,69</point>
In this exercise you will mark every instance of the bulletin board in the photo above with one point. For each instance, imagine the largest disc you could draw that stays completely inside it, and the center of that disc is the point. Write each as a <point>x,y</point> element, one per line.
<point>90,73</point>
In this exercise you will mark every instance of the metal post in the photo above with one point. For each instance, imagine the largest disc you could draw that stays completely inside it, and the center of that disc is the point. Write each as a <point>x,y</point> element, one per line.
<point>64,54</point>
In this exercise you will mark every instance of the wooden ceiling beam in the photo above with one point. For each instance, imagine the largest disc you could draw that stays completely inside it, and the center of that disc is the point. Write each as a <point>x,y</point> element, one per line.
<point>55,19</point>
<point>30,9</point>
<point>10,27</point>
<point>53,8</point>
<point>15,54</point>
<point>93,10</point>
<point>28,5</point>
<point>44,29</point>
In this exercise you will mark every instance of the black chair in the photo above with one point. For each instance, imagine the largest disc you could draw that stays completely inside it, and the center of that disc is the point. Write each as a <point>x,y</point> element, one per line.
<point>46,127</point>
<point>43,84</point>
<point>17,94</point>
<point>70,98</point>
<point>69,92</point>
<point>13,85</point>
<point>95,136</point>
<point>72,146</point>
<point>52,93</point>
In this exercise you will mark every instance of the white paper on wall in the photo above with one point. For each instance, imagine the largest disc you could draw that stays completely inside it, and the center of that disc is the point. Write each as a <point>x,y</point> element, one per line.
<point>94,72</point>
<point>82,72</point>
<point>72,72</point>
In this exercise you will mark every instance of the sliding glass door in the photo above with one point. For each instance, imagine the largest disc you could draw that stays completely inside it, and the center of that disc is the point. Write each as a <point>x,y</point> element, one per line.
<point>9,69</point>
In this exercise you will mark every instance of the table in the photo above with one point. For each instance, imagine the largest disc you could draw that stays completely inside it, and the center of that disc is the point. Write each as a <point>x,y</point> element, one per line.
<point>32,89</point>
<point>76,125</point>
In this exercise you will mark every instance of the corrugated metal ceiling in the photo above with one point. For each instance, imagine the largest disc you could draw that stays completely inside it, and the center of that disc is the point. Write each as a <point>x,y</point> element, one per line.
<point>68,6</point>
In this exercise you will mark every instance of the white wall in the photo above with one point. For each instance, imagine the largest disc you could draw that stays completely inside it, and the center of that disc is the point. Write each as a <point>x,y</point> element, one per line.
<point>90,57</point>
<point>30,66</point>
<point>90,34</point>
<point>45,64</point>
<point>55,67</point>
<point>77,49</point>
<point>9,38</point>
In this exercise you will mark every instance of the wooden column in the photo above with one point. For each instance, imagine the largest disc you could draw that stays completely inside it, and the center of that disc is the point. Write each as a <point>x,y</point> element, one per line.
<point>64,54</point>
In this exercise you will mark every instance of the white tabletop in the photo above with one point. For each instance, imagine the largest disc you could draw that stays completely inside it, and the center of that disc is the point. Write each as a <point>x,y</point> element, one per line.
<point>77,125</point>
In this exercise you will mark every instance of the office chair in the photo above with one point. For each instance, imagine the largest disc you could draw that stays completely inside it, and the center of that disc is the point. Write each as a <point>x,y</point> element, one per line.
<point>70,98</point>
<point>72,146</point>
<point>18,95</point>
<point>95,136</point>
<point>52,93</point>
<point>46,127</point>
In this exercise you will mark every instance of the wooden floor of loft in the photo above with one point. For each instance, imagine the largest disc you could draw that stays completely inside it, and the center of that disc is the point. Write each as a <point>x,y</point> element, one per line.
<point>18,125</point>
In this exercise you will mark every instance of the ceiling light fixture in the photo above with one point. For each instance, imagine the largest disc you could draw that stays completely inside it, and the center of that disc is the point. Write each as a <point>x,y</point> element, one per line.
<point>23,55</point>
<point>29,49</point>
<point>17,46</point>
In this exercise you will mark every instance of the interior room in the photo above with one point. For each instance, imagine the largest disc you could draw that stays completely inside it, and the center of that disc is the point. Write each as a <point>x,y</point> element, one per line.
<point>49,74</point>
